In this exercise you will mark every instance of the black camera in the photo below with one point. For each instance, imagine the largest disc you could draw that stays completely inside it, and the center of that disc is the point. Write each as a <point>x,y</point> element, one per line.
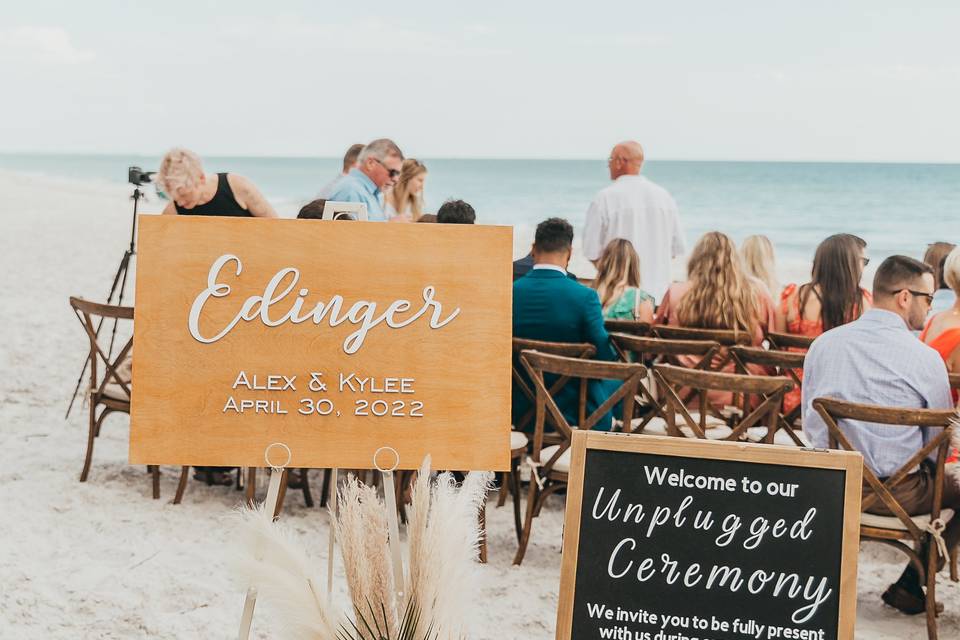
<point>137,176</point>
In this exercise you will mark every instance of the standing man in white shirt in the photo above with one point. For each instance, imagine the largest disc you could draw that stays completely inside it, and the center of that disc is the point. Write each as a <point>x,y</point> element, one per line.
<point>635,209</point>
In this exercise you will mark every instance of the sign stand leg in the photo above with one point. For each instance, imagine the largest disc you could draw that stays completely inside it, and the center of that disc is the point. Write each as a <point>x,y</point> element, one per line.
<point>393,523</point>
<point>269,507</point>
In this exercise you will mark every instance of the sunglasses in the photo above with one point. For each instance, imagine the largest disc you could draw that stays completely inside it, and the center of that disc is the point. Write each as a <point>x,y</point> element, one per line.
<point>393,173</point>
<point>917,294</point>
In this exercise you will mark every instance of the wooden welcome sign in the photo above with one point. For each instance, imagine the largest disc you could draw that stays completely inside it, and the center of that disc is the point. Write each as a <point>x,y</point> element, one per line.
<point>335,338</point>
<point>680,539</point>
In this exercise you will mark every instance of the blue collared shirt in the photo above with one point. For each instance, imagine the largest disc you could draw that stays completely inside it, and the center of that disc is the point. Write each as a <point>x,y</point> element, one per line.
<point>874,360</point>
<point>357,187</point>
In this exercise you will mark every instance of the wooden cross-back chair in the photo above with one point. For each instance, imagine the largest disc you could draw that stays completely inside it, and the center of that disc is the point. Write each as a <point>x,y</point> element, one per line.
<point>955,381</point>
<point>726,337</point>
<point>633,327</point>
<point>108,389</point>
<point>894,530</point>
<point>779,363</point>
<point>768,392</point>
<point>784,341</point>
<point>649,350</point>
<point>551,465</point>
<point>583,350</point>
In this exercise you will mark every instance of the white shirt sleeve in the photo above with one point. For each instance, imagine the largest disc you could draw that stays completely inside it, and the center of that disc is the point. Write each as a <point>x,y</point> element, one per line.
<point>594,230</point>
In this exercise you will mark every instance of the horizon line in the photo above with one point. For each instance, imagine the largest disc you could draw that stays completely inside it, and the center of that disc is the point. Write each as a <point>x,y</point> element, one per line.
<point>498,158</point>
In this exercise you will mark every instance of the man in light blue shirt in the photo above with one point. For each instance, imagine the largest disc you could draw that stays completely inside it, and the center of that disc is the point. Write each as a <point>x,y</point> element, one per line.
<point>877,360</point>
<point>377,167</point>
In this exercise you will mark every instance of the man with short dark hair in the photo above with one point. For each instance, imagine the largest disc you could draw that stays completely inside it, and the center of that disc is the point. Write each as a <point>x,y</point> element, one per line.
<point>877,360</point>
<point>378,165</point>
<point>456,212</point>
<point>349,162</point>
<point>313,210</point>
<point>547,305</point>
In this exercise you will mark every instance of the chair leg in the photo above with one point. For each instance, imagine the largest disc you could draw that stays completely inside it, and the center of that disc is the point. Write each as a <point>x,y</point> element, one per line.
<point>251,492</point>
<point>515,490</point>
<point>325,491</point>
<point>527,524</point>
<point>931,599</point>
<point>155,472</point>
<point>482,517</point>
<point>305,487</point>
<point>90,436</point>
<point>182,484</point>
<point>504,490</point>
<point>282,494</point>
<point>953,565</point>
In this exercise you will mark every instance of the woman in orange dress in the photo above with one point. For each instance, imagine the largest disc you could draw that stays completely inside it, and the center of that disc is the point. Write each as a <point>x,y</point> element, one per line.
<point>718,295</point>
<point>943,330</point>
<point>832,297</point>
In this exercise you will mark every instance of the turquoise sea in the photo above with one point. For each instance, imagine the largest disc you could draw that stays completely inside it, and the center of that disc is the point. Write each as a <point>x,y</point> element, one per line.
<point>897,208</point>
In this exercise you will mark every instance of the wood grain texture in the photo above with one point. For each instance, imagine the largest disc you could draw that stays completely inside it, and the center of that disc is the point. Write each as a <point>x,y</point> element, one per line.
<point>461,371</point>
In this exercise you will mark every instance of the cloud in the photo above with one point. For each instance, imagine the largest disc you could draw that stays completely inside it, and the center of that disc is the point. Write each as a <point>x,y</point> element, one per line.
<point>622,40</point>
<point>41,44</point>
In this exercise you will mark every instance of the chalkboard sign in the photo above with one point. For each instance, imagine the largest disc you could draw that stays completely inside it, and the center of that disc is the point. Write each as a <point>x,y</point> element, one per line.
<point>682,539</point>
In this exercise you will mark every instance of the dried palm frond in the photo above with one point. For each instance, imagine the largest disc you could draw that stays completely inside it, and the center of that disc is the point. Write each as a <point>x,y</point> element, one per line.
<point>267,555</point>
<point>444,538</point>
<point>362,531</point>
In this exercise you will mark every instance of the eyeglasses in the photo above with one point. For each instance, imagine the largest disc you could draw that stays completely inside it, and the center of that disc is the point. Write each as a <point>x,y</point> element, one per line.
<point>917,294</point>
<point>393,173</point>
<point>865,260</point>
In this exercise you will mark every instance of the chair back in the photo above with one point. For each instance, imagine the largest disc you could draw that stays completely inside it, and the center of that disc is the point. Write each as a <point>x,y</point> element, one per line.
<point>784,341</point>
<point>955,381</point>
<point>726,337</point>
<point>634,327</point>
<point>833,411</point>
<point>92,316</point>
<point>779,363</point>
<point>565,349</point>
<point>649,350</point>
<point>768,390</point>
<point>539,365</point>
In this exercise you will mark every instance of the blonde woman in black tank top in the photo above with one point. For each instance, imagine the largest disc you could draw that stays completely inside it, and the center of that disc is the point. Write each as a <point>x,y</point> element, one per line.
<point>193,192</point>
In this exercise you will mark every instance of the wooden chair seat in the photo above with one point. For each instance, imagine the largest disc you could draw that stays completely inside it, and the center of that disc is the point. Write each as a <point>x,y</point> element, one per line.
<point>883,524</point>
<point>780,437</point>
<point>562,463</point>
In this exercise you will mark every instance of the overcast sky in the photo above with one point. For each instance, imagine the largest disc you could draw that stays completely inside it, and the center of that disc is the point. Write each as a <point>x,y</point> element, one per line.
<point>691,80</point>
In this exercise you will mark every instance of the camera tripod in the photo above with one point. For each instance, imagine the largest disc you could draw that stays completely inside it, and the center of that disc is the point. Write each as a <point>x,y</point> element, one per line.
<point>119,280</point>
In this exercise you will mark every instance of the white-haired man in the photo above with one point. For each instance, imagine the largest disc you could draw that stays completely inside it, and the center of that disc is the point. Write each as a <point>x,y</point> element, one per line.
<point>635,209</point>
<point>378,166</point>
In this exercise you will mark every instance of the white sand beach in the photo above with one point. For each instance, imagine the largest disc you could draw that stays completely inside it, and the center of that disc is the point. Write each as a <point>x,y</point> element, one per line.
<point>104,560</point>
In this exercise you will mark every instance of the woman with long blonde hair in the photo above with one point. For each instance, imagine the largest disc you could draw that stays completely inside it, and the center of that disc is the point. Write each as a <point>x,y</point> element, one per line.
<point>718,294</point>
<point>618,283</point>
<point>404,202</point>
<point>760,263</point>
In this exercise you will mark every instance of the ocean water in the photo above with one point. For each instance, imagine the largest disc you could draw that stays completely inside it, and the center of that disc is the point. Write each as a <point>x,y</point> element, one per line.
<point>896,208</point>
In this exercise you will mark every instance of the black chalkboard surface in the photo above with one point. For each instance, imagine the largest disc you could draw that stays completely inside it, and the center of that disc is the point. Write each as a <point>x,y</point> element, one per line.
<point>681,539</point>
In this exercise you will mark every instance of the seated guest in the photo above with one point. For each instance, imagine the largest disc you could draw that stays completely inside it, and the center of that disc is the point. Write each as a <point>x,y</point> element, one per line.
<point>718,295</point>
<point>759,262</point>
<point>195,193</point>
<point>349,162</point>
<point>832,297</point>
<point>618,284</point>
<point>456,212</point>
<point>547,305</point>
<point>943,329</point>
<point>404,202</point>
<point>877,360</point>
<point>312,210</point>
<point>522,266</point>
<point>427,217</point>
<point>378,166</point>
<point>934,256</point>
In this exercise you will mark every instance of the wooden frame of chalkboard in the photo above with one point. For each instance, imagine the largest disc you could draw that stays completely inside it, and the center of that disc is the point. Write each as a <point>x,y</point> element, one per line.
<point>762,455</point>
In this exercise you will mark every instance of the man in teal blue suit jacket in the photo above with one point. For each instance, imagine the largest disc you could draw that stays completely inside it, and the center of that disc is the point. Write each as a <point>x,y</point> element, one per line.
<point>547,305</point>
